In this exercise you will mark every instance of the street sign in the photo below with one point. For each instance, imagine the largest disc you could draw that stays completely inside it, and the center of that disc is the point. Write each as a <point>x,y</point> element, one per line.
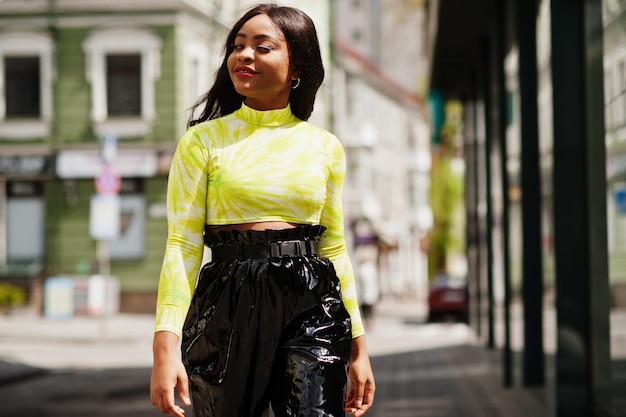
<point>108,181</point>
<point>108,150</point>
<point>104,217</point>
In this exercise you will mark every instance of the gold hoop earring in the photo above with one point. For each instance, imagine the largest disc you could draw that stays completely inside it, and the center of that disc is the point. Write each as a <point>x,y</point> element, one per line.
<point>294,86</point>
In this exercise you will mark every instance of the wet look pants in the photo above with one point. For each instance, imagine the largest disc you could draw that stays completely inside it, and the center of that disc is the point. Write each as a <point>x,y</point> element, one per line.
<point>267,325</point>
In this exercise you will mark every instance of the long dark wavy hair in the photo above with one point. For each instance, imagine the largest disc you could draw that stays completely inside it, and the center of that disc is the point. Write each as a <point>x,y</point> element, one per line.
<point>304,55</point>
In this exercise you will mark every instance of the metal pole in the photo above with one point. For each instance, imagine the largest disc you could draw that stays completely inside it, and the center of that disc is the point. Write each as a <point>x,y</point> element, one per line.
<point>3,222</point>
<point>532,279</point>
<point>583,374</point>
<point>104,257</point>
<point>489,141</point>
<point>104,263</point>
<point>499,83</point>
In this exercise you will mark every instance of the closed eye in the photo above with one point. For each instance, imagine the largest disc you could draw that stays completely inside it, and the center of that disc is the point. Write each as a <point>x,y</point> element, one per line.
<point>259,48</point>
<point>264,48</point>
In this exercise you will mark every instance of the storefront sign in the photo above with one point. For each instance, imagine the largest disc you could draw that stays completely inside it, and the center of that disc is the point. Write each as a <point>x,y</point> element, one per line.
<point>25,164</point>
<point>24,189</point>
<point>87,163</point>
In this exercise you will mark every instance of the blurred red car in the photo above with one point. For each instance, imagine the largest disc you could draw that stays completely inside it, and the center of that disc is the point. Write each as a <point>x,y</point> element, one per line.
<point>447,297</point>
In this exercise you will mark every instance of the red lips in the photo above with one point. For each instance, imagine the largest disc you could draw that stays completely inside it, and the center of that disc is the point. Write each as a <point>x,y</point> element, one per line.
<point>243,71</point>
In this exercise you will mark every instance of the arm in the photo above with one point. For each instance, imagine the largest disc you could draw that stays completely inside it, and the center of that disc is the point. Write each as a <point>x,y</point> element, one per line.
<point>186,208</point>
<point>186,217</point>
<point>333,246</point>
<point>333,243</point>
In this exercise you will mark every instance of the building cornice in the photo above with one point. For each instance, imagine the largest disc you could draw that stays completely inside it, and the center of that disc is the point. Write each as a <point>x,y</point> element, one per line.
<point>73,13</point>
<point>77,6</point>
<point>354,63</point>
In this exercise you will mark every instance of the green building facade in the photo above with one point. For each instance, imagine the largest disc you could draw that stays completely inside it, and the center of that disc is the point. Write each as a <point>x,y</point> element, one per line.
<point>86,83</point>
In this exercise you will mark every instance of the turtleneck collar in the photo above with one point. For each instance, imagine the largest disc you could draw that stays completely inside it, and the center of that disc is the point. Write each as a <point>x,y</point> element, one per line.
<point>268,118</point>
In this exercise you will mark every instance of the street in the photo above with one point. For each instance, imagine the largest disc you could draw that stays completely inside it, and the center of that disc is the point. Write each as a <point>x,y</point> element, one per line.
<point>93,367</point>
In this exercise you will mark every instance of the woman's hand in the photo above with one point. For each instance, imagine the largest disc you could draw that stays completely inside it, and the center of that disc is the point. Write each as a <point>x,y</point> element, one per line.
<point>168,373</point>
<point>362,386</point>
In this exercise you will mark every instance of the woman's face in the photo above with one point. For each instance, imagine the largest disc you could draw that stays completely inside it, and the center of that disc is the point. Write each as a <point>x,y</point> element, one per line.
<point>259,64</point>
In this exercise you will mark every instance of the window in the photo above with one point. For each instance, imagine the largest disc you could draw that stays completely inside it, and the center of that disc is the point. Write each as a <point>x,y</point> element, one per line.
<point>124,85</point>
<point>23,89</point>
<point>26,74</point>
<point>122,67</point>
<point>200,57</point>
<point>25,222</point>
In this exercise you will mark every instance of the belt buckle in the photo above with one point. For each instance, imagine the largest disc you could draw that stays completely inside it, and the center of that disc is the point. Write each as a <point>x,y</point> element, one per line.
<point>276,250</point>
<point>297,245</point>
<point>286,248</point>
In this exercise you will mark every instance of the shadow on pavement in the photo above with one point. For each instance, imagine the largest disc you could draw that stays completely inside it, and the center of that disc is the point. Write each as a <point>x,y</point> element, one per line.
<point>452,381</point>
<point>13,373</point>
<point>89,393</point>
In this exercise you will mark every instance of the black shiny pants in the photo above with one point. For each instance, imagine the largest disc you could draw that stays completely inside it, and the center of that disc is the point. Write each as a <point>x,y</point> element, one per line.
<point>264,331</point>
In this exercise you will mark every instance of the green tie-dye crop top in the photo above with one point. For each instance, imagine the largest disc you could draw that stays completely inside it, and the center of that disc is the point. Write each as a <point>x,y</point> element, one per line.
<point>251,166</point>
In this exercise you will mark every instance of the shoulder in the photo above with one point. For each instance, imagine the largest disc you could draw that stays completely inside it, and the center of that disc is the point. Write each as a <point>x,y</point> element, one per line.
<point>326,137</point>
<point>327,143</point>
<point>208,131</point>
<point>213,124</point>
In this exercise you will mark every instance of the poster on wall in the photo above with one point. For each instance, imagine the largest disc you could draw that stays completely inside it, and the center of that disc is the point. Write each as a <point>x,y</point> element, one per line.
<point>130,243</point>
<point>104,216</point>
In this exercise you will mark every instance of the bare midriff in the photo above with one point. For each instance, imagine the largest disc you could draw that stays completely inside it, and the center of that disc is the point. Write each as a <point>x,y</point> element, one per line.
<point>254,226</point>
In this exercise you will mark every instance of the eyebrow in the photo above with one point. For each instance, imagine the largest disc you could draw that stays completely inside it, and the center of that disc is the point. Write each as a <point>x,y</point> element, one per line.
<point>257,37</point>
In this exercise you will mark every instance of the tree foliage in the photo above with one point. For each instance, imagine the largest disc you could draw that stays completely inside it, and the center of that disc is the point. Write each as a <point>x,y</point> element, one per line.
<point>446,198</point>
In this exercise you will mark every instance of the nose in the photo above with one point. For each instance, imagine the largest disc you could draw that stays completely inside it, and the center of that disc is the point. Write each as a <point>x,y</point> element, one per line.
<point>246,54</point>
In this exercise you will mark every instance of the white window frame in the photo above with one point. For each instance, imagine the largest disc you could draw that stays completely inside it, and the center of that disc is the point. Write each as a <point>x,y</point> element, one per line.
<point>26,44</point>
<point>196,68</point>
<point>122,41</point>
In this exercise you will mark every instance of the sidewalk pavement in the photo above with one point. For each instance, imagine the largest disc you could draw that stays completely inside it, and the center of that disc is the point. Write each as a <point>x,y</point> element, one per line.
<point>30,344</point>
<point>100,367</point>
<point>125,340</point>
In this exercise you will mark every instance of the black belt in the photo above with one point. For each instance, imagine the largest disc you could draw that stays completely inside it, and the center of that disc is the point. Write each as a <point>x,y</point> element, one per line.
<point>265,250</point>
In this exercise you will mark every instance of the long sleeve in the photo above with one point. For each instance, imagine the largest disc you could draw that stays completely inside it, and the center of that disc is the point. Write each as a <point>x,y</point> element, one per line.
<point>186,214</point>
<point>333,244</point>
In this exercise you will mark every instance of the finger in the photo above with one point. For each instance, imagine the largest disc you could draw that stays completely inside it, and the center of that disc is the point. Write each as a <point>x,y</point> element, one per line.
<point>350,405</point>
<point>158,402</point>
<point>165,404</point>
<point>358,396</point>
<point>364,409</point>
<point>358,411</point>
<point>183,389</point>
<point>350,397</point>
<point>368,397</point>
<point>168,400</point>
<point>366,402</point>
<point>178,411</point>
<point>173,410</point>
